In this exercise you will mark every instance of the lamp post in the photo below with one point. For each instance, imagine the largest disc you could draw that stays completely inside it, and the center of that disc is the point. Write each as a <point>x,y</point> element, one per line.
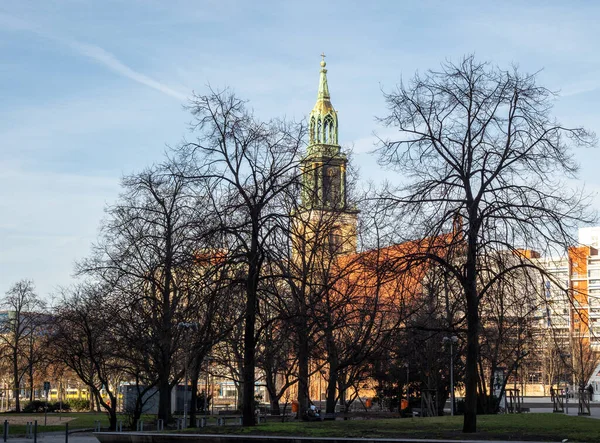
<point>520,356</point>
<point>564,358</point>
<point>186,326</point>
<point>407,366</point>
<point>206,387</point>
<point>451,340</point>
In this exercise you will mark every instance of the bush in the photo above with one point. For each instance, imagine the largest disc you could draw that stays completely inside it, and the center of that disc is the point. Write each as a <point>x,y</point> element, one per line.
<point>79,404</point>
<point>64,407</point>
<point>37,406</point>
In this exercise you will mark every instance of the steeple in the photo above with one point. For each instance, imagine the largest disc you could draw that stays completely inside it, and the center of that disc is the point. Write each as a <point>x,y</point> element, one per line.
<point>324,204</point>
<point>323,121</point>
<point>324,165</point>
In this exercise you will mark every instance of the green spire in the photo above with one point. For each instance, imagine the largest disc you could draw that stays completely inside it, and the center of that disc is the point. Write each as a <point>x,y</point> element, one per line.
<point>323,87</point>
<point>324,166</point>
<point>323,123</point>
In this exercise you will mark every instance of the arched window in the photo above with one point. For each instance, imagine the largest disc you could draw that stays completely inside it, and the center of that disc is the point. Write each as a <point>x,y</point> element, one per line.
<point>319,131</point>
<point>329,130</point>
<point>335,241</point>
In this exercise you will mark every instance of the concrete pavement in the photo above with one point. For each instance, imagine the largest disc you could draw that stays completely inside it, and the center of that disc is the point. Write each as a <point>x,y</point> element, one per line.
<point>53,437</point>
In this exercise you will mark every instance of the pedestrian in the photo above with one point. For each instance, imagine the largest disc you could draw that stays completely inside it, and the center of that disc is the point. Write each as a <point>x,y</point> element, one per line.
<point>590,390</point>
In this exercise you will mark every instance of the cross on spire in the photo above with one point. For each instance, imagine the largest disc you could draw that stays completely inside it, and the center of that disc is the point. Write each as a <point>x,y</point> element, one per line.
<point>323,61</point>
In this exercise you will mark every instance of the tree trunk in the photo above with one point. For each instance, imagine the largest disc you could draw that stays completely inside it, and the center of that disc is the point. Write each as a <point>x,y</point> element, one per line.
<point>31,383</point>
<point>470,419</point>
<point>471,375</point>
<point>16,381</point>
<point>342,388</point>
<point>331,390</point>
<point>248,370</point>
<point>275,410</point>
<point>333,376</point>
<point>110,406</point>
<point>271,382</point>
<point>193,405</point>
<point>248,418</point>
<point>137,409</point>
<point>112,412</point>
<point>164,397</point>
<point>303,382</point>
<point>112,419</point>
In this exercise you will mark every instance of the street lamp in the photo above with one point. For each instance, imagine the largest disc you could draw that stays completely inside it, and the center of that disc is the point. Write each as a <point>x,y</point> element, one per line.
<point>208,360</point>
<point>520,355</point>
<point>407,366</point>
<point>564,359</point>
<point>452,340</point>
<point>194,327</point>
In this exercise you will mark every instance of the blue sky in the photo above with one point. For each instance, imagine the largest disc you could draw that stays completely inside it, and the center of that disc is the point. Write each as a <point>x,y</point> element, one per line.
<point>92,90</point>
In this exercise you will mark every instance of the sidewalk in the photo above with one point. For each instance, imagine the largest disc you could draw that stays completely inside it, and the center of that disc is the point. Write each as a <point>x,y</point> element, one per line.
<point>54,437</point>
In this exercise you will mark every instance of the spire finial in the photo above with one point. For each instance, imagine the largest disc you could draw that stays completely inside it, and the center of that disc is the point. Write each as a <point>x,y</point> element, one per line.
<point>323,88</point>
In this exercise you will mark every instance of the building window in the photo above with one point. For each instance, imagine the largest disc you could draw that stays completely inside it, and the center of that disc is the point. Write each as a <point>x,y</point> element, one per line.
<point>335,242</point>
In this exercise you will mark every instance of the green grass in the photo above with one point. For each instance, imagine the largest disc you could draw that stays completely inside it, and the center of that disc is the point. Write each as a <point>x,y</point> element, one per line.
<point>541,427</point>
<point>76,420</point>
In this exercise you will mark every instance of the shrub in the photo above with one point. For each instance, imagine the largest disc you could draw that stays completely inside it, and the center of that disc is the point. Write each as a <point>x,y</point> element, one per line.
<point>64,407</point>
<point>79,404</point>
<point>37,406</point>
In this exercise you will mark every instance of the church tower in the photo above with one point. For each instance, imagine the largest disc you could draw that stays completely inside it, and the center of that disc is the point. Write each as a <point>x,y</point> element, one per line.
<point>324,188</point>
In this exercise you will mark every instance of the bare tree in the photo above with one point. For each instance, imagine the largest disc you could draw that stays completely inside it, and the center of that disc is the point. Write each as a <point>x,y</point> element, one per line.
<point>478,149</point>
<point>229,358</point>
<point>420,345</point>
<point>508,331</point>
<point>583,359</point>
<point>247,166</point>
<point>304,267</point>
<point>83,339</point>
<point>148,246</point>
<point>214,309</point>
<point>20,331</point>
<point>276,358</point>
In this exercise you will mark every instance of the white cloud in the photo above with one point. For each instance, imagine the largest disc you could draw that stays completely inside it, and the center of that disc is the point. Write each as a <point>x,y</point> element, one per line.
<point>579,88</point>
<point>107,59</point>
<point>94,52</point>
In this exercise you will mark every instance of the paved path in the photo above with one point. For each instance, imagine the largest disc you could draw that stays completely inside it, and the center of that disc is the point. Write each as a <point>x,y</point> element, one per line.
<point>544,404</point>
<point>107,437</point>
<point>57,438</point>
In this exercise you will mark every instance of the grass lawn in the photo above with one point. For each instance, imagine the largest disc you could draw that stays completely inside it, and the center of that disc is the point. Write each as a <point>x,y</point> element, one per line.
<point>541,427</point>
<point>56,422</point>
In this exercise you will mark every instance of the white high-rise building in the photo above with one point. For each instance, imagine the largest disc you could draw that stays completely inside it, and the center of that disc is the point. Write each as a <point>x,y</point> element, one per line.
<point>589,236</point>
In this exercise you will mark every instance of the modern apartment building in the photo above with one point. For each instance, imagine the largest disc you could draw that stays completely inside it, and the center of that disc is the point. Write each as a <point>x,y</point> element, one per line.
<point>571,291</point>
